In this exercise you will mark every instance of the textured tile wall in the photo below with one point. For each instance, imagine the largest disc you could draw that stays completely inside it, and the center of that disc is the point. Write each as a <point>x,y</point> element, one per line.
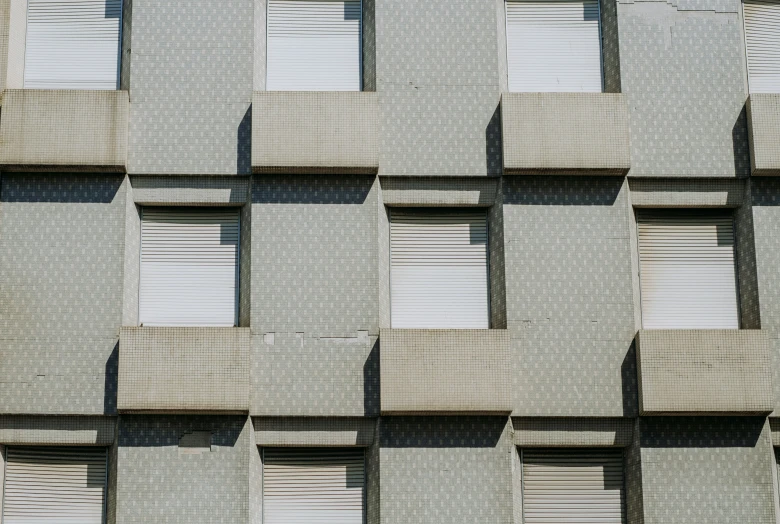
<point>158,482</point>
<point>61,263</point>
<point>191,77</point>
<point>438,85</point>
<point>569,299</point>
<point>445,469</point>
<point>703,470</point>
<point>682,66</point>
<point>48,430</point>
<point>314,303</point>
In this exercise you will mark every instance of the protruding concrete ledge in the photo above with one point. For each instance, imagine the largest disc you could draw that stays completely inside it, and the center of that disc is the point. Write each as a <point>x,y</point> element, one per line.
<point>64,130</point>
<point>183,370</point>
<point>180,190</point>
<point>763,113</point>
<point>704,372</point>
<point>448,371</point>
<point>314,431</point>
<point>315,132</point>
<point>57,430</point>
<point>572,432</point>
<point>565,134</point>
<point>438,191</point>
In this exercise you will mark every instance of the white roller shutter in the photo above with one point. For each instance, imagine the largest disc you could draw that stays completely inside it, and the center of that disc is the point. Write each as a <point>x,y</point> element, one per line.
<point>439,269</point>
<point>313,486</point>
<point>762,41</point>
<point>314,45</point>
<point>574,486</point>
<point>189,267</point>
<point>553,46</point>
<point>73,44</point>
<point>687,271</point>
<point>54,486</point>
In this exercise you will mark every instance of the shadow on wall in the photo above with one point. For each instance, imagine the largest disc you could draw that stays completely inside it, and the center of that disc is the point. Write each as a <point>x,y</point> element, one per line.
<point>531,190</point>
<point>494,158</point>
<point>61,188</point>
<point>630,385</point>
<point>740,144</point>
<point>442,432</point>
<point>244,144</point>
<point>303,189</point>
<point>371,404</point>
<point>111,378</point>
<point>167,430</point>
<point>765,191</point>
<point>700,432</point>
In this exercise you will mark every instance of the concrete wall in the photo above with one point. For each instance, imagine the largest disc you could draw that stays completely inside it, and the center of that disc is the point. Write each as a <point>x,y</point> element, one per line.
<point>445,469</point>
<point>314,310</point>
<point>61,264</point>
<point>763,113</point>
<point>569,296</point>
<point>160,480</point>
<point>191,87</point>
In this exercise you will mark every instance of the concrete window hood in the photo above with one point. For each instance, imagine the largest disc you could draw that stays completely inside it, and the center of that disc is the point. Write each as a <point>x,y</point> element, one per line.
<point>763,111</point>
<point>565,134</point>
<point>64,130</point>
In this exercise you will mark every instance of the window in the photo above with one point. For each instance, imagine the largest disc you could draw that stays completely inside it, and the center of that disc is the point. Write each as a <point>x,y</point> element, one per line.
<point>439,269</point>
<point>323,485</point>
<point>762,41</point>
<point>189,267</point>
<point>553,46</point>
<point>687,271</point>
<point>73,44</point>
<point>54,485</point>
<point>576,486</point>
<point>314,45</point>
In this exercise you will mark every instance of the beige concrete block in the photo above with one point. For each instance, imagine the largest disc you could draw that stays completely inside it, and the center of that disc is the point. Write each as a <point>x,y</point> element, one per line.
<point>315,132</point>
<point>183,370</point>
<point>691,372</point>
<point>565,133</point>
<point>444,371</point>
<point>64,130</point>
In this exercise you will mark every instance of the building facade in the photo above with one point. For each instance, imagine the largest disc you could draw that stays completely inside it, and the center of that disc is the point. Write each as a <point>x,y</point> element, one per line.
<point>388,261</point>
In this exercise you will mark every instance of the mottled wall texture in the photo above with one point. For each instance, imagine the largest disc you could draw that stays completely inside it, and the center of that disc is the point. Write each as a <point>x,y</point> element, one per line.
<point>61,260</point>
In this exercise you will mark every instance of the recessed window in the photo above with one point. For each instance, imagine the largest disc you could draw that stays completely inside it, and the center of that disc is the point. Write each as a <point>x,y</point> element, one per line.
<point>314,45</point>
<point>762,42</point>
<point>439,269</point>
<point>687,272</point>
<point>54,485</point>
<point>73,44</point>
<point>313,485</point>
<point>576,486</point>
<point>554,46</point>
<point>189,267</point>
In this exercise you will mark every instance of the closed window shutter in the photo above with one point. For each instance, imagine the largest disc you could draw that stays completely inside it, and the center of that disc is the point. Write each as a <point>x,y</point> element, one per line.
<point>313,486</point>
<point>687,271</point>
<point>189,267</point>
<point>439,269</point>
<point>314,45</point>
<point>54,486</point>
<point>73,44</point>
<point>762,40</point>
<point>553,46</point>
<point>574,486</point>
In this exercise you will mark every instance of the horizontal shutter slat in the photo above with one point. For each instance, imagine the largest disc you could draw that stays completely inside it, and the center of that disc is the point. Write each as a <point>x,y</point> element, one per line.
<point>189,267</point>
<point>762,42</point>
<point>314,45</point>
<point>553,46</point>
<point>54,485</point>
<point>686,262</point>
<point>73,44</point>
<point>439,269</point>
